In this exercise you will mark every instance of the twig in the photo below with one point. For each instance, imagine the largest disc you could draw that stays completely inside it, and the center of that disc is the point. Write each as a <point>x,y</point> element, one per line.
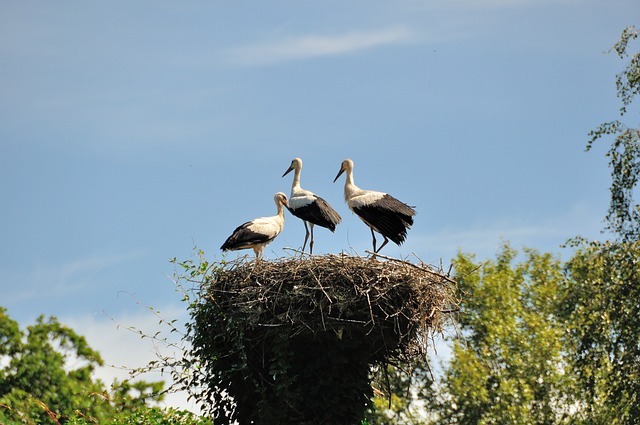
<point>296,251</point>
<point>362,322</point>
<point>373,320</point>
<point>449,310</point>
<point>448,279</point>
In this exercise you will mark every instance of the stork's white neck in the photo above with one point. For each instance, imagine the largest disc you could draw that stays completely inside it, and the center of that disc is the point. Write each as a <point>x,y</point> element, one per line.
<point>280,210</point>
<point>296,179</point>
<point>350,189</point>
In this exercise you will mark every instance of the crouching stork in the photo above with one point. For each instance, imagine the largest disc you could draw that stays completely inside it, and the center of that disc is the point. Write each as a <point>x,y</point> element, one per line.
<point>380,211</point>
<point>309,207</point>
<point>258,232</point>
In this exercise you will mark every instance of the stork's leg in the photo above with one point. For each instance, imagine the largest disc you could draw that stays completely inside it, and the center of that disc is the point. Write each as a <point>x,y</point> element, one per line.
<point>311,243</point>
<point>374,240</point>
<point>383,244</point>
<point>306,236</point>
<point>258,251</point>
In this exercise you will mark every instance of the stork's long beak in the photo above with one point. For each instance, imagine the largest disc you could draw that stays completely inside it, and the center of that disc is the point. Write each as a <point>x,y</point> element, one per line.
<point>339,174</point>
<point>288,170</point>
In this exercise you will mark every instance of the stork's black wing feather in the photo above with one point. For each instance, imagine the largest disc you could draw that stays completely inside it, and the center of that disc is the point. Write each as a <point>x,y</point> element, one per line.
<point>318,212</point>
<point>388,216</point>
<point>244,237</point>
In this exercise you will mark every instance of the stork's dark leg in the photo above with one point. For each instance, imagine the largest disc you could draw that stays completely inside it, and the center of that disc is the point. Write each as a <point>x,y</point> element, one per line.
<point>306,236</point>
<point>383,244</point>
<point>311,243</point>
<point>374,240</point>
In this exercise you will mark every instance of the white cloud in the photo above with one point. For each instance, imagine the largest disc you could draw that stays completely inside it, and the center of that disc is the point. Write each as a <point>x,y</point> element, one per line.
<point>122,348</point>
<point>311,46</point>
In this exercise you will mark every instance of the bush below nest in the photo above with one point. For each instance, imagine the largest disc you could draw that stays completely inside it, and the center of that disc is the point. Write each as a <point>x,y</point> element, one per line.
<point>292,341</point>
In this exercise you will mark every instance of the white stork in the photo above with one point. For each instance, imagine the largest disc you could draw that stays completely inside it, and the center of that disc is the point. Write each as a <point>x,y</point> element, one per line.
<point>309,207</point>
<point>380,211</point>
<point>258,232</point>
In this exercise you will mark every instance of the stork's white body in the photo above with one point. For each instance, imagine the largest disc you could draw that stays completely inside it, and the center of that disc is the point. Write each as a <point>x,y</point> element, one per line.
<point>309,207</point>
<point>300,198</point>
<point>259,232</point>
<point>356,197</point>
<point>378,210</point>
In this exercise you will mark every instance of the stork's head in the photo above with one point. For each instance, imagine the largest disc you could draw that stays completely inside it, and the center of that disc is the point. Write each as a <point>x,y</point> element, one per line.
<point>347,165</point>
<point>296,164</point>
<point>281,198</point>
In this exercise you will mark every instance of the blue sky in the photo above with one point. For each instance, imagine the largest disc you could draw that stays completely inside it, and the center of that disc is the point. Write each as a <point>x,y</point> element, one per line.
<point>131,132</point>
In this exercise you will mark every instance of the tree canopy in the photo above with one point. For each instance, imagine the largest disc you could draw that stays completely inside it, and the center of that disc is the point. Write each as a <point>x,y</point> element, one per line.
<point>601,298</point>
<point>46,377</point>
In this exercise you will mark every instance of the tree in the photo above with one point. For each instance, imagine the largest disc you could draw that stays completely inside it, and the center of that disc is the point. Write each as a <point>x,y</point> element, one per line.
<point>600,303</point>
<point>624,154</point>
<point>602,311</point>
<point>400,395</point>
<point>37,380</point>
<point>46,378</point>
<point>507,367</point>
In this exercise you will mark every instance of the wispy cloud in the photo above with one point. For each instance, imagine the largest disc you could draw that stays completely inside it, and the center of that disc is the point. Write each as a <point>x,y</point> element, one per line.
<point>311,46</point>
<point>60,279</point>
<point>484,239</point>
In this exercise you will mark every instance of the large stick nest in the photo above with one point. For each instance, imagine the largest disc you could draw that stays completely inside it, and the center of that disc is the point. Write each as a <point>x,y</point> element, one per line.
<point>291,338</point>
<point>396,305</point>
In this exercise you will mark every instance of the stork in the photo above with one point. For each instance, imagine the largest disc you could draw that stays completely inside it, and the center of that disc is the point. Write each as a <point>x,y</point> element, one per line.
<point>258,232</point>
<point>309,207</point>
<point>380,211</point>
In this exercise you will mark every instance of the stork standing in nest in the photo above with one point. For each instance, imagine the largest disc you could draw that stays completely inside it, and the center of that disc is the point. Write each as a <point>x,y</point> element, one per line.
<point>258,232</point>
<point>309,207</point>
<point>380,211</point>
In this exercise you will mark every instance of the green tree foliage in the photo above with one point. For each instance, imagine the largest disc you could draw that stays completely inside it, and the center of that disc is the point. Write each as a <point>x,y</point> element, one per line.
<point>602,310</point>
<point>401,392</point>
<point>508,366</point>
<point>37,380</point>
<point>46,378</point>
<point>146,416</point>
<point>624,154</point>
<point>601,305</point>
